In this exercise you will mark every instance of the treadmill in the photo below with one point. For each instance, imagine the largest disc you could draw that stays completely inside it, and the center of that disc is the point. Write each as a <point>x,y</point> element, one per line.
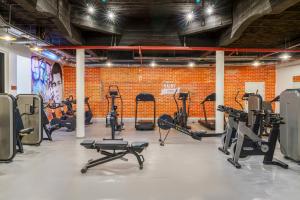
<point>144,125</point>
<point>210,124</point>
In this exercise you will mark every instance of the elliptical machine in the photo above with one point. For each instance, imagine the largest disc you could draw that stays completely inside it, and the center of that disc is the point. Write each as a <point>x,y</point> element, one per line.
<point>182,114</point>
<point>112,115</point>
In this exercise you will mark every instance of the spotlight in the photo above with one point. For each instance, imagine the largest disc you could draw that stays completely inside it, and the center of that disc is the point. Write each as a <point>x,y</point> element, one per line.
<point>256,63</point>
<point>191,64</point>
<point>108,64</point>
<point>7,38</point>
<point>190,16</point>
<point>111,16</point>
<point>153,64</point>
<point>209,10</point>
<point>285,56</point>
<point>91,9</point>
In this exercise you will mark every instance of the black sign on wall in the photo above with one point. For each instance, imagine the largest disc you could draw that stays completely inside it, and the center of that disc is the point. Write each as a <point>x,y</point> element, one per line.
<point>2,74</point>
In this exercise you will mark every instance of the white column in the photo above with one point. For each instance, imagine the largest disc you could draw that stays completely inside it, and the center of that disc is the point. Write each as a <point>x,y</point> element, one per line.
<point>219,90</point>
<point>80,115</point>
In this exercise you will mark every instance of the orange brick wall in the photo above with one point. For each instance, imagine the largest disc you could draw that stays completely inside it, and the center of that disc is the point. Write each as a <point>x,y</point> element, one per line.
<point>199,81</point>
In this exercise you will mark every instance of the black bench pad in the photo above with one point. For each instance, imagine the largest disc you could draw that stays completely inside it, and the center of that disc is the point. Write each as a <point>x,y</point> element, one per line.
<point>139,146</point>
<point>114,145</point>
<point>111,145</point>
<point>89,144</point>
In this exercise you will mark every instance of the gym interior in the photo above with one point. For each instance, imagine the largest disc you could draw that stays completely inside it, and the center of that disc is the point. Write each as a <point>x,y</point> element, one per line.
<point>107,99</point>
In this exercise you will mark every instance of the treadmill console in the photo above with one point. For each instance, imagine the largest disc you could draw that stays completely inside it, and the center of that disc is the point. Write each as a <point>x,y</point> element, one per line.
<point>113,93</point>
<point>183,95</point>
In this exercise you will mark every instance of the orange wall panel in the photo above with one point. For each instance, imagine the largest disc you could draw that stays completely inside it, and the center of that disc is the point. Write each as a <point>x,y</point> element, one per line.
<point>134,80</point>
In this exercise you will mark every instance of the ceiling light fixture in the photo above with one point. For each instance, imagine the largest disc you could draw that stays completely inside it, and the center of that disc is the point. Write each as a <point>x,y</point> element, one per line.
<point>191,64</point>
<point>256,63</point>
<point>285,56</point>
<point>7,38</point>
<point>108,64</point>
<point>153,64</point>
<point>210,10</point>
<point>111,15</point>
<point>91,9</point>
<point>35,48</point>
<point>190,16</point>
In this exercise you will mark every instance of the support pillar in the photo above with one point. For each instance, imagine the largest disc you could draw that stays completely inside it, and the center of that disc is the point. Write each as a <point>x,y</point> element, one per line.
<point>80,95</point>
<point>220,62</point>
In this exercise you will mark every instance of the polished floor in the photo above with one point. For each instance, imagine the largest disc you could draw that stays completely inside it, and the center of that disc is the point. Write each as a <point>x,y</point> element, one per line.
<point>184,169</point>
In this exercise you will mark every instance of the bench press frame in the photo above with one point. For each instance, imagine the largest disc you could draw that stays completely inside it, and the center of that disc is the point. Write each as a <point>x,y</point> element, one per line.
<point>114,155</point>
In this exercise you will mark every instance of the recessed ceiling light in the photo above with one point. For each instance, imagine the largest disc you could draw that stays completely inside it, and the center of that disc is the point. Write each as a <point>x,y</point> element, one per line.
<point>190,16</point>
<point>91,9</point>
<point>210,10</point>
<point>111,15</point>
<point>153,64</point>
<point>256,63</point>
<point>285,56</point>
<point>191,64</point>
<point>7,38</point>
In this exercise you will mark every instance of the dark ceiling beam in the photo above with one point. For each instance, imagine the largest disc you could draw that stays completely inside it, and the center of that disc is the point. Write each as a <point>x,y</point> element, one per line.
<point>210,23</point>
<point>90,23</point>
<point>59,11</point>
<point>246,12</point>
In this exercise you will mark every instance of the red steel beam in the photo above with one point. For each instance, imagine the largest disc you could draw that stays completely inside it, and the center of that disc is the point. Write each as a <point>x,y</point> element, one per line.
<point>173,48</point>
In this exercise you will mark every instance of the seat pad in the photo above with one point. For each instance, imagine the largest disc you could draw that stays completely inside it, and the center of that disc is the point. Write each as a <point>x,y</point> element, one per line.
<point>139,146</point>
<point>89,144</point>
<point>26,130</point>
<point>111,145</point>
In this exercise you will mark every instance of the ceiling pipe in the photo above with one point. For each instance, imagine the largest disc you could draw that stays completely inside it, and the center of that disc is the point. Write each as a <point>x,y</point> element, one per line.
<point>271,54</point>
<point>174,48</point>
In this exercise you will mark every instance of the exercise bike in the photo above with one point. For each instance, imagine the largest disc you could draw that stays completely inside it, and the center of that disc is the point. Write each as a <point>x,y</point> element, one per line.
<point>88,113</point>
<point>48,128</point>
<point>112,116</point>
<point>234,116</point>
<point>65,120</point>
<point>249,143</point>
<point>182,114</point>
<point>231,127</point>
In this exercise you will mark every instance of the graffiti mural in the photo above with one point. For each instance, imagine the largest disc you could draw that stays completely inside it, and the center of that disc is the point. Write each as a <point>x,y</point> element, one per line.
<point>46,79</point>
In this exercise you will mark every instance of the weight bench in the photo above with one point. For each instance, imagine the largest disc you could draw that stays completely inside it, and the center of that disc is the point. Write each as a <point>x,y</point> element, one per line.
<point>118,149</point>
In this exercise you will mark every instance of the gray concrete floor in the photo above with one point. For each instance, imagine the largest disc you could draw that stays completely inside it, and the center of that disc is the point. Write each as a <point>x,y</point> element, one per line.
<point>184,169</point>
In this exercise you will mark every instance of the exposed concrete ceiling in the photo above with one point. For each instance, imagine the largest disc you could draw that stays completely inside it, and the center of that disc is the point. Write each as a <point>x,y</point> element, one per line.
<point>242,23</point>
<point>238,23</point>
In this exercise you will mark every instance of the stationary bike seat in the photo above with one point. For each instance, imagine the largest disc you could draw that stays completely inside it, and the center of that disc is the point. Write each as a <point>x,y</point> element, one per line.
<point>26,131</point>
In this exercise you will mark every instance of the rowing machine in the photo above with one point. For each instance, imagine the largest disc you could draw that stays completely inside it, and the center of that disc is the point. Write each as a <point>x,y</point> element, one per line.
<point>166,122</point>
